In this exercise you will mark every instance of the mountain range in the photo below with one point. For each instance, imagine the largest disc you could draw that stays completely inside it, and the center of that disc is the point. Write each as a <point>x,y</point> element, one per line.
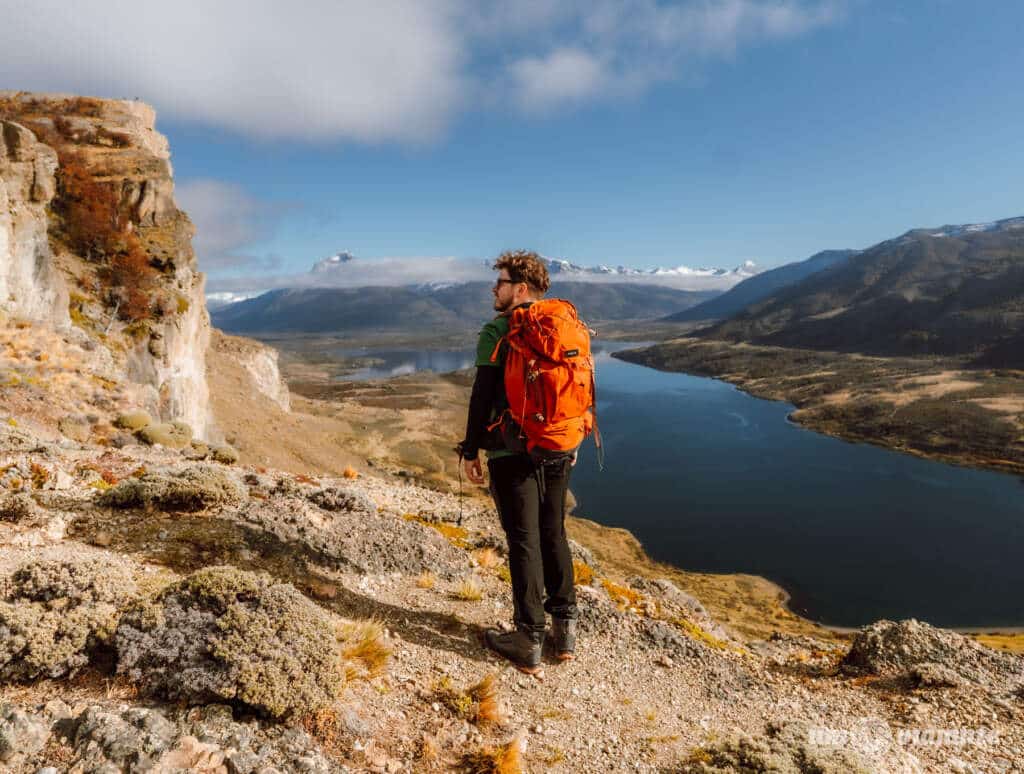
<point>954,290</point>
<point>759,287</point>
<point>448,308</point>
<point>560,268</point>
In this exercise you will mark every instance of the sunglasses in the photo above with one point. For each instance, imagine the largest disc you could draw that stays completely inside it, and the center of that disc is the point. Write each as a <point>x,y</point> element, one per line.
<point>499,281</point>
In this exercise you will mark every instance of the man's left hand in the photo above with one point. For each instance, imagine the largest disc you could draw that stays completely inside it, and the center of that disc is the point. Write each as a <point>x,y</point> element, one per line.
<point>474,470</point>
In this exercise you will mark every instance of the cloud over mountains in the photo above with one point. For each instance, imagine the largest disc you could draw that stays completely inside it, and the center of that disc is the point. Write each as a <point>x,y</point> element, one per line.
<point>389,70</point>
<point>344,270</point>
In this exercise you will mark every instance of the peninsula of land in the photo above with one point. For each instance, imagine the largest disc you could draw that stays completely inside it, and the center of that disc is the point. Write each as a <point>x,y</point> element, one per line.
<point>937,407</point>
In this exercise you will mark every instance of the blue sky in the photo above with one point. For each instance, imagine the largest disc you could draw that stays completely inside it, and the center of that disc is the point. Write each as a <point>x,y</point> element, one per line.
<point>637,132</point>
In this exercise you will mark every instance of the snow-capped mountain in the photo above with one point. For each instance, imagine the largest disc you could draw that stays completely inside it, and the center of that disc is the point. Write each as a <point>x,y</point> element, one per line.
<point>332,262</point>
<point>557,266</point>
<point>1010,224</point>
<point>434,273</point>
<point>227,297</point>
<point>346,265</point>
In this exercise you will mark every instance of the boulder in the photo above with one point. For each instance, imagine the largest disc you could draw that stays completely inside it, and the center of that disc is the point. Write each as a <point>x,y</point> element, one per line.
<point>206,740</point>
<point>345,531</point>
<point>224,634</point>
<point>21,736</point>
<point>133,739</point>
<point>930,675</point>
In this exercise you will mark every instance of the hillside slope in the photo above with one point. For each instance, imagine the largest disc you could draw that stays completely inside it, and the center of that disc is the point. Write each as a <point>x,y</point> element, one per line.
<point>208,617</point>
<point>958,290</point>
<point>410,309</point>
<point>760,287</point>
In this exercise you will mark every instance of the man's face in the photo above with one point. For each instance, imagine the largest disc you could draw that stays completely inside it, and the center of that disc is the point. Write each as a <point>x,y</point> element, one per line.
<point>504,291</point>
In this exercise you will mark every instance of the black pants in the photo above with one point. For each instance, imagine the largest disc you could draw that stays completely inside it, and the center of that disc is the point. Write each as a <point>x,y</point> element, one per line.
<point>531,505</point>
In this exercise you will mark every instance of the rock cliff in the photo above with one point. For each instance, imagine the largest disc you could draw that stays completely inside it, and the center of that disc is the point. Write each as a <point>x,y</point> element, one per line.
<point>90,236</point>
<point>30,286</point>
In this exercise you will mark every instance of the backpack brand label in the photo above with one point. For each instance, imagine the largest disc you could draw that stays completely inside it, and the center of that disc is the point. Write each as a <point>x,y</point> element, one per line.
<point>571,352</point>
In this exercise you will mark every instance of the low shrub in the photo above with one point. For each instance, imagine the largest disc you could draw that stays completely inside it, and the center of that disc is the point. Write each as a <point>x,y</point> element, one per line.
<point>58,615</point>
<point>193,489</point>
<point>223,634</point>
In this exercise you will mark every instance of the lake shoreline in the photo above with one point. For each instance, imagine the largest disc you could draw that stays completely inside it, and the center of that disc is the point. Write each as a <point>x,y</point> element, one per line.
<point>752,605</point>
<point>855,398</point>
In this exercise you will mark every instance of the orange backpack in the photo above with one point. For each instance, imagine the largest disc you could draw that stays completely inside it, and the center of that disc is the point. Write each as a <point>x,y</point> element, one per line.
<point>549,380</point>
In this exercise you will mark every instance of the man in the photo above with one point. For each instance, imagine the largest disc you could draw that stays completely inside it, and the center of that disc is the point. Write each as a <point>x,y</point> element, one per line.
<point>529,496</point>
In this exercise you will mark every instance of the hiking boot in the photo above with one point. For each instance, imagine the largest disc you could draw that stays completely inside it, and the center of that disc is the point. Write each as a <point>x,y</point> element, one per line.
<point>520,646</point>
<point>563,638</point>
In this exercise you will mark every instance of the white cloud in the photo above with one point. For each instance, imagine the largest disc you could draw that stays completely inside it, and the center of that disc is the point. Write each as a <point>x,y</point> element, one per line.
<point>366,272</point>
<point>228,220</point>
<point>386,70</point>
<point>562,75</point>
<point>397,271</point>
<point>623,47</point>
<point>315,70</point>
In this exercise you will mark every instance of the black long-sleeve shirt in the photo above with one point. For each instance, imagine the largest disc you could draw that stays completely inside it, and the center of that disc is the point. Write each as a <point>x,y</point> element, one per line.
<point>487,400</point>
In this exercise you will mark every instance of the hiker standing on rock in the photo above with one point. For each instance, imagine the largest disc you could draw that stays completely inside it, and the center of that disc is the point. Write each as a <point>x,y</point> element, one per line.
<point>531,407</point>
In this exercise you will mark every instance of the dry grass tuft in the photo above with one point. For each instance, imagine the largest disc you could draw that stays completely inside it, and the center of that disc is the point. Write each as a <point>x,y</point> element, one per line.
<point>477,704</point>
<point>428,748</point>
<point>426,580</point>
<point>469,590</point>
<point>505,759</point>
<point>324,726</point>
<point>459,702</point>
<point>350,472</point>
<point>485,694</point>
<point>363,643</point>
<point>504,573</point>
<point>487,558</point>
<point>120,687</point>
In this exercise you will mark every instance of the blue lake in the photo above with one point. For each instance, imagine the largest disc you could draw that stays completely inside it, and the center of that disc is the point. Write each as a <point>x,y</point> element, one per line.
<point>711,479</point>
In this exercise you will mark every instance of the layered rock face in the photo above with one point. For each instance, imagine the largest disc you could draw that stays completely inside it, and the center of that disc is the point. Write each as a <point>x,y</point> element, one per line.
<point>30,286</point>
<point>136,290</point>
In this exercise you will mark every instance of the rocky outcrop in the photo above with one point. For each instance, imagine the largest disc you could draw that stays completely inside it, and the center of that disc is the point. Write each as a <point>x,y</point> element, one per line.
<point>258,362</point>
<point>30,285</point>
<point>112,147</point>
<point>261,363</point>
<point>930,656</point>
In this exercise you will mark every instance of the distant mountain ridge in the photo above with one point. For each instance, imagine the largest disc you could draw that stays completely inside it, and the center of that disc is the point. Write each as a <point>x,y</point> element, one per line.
<point>413,309</point>
<point>345,264</point>
<point>955,290</point>
<point>558,268</point>
<point>760,286</point>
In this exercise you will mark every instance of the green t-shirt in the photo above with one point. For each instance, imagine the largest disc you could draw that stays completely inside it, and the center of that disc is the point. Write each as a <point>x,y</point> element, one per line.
<point>490,335</point>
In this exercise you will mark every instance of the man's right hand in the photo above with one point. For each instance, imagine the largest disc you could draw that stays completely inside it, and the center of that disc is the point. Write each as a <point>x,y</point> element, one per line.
<point>474,470</point>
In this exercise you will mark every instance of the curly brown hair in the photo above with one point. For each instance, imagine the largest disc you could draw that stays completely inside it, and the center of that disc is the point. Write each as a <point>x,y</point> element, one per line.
<point>525,266</point>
